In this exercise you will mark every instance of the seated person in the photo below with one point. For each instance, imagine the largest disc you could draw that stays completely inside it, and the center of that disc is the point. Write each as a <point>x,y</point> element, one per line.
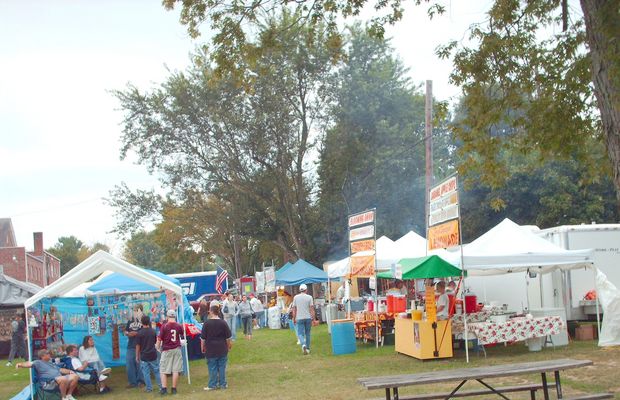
<point>81,366</point>
<point>88,353</point>
<point>52,376</point>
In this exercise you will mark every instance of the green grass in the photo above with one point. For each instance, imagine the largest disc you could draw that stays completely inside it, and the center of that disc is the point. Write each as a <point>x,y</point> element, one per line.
<point>272,366</point>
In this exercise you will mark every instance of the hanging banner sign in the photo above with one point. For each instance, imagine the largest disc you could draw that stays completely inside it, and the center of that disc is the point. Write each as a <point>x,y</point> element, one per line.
<point>260,281</point>
<point>444,235</point>
<point>362,266</point>
<point>362,233</point>
<point>445,188</point>
<point>431,305</point>
<point>362,245</point>
<point>363,218</point>
<point>398,272</point>
<point>443,214</point>
<point>270,279</point>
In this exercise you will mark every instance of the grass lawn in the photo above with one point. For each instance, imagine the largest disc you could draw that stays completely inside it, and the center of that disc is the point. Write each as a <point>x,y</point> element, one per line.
<point>272,366</point>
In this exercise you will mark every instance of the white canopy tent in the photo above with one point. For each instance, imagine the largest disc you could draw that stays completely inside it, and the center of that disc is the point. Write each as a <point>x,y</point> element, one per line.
<point>508,248</point>
<point>102,263</point>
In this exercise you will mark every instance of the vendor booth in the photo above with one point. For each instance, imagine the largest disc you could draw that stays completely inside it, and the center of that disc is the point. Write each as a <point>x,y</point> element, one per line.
<point>104,291</point>
<point>420,335</point>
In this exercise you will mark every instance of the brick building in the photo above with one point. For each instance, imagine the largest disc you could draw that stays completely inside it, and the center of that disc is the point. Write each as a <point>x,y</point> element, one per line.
<point>37,266</point>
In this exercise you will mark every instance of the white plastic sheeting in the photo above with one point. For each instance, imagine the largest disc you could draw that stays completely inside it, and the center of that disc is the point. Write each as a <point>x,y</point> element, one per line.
<point>609,298</point>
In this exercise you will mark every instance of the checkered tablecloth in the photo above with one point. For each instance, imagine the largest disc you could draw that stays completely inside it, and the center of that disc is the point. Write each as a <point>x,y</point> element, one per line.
<point>515,329</point>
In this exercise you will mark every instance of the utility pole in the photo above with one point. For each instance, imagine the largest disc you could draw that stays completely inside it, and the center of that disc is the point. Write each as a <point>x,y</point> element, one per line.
<point>428,136</point>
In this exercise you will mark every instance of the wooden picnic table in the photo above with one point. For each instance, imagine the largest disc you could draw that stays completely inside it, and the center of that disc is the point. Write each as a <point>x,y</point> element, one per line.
<point>478,373</point>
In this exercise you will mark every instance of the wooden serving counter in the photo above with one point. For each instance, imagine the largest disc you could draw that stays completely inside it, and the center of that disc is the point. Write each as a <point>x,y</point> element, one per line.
<point>418,338</point>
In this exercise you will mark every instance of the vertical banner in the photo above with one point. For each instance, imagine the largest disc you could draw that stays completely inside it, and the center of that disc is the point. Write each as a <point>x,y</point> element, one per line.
<point>260,282</point>
<point>362,244</point>
<point>444,215</point>
<point>270,279</point>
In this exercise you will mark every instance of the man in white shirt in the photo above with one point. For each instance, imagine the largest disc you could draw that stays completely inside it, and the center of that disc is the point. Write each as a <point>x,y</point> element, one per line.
<point>303,315</point>
<point>442,301</point>
<point>80,366</point>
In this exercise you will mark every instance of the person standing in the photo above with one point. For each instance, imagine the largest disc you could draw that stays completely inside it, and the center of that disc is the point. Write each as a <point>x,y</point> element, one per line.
<point>230,309</point>
<point>171,362</point>
<point>245,311</point>
<point>442,301</point>
<point>259,311</point>
<point>134,373</point>
<point>303,315</point>
<point>146,353</point>
<point>203,310</point>
<point>215,343</point>
<point>18,343</point>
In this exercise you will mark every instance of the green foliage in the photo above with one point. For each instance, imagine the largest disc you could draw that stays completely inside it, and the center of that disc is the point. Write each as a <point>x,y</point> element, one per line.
<point>233,22</point>
<point>71,251</point>
<point>241,147</point>
<point>527,85</point>
<point>373,156</point>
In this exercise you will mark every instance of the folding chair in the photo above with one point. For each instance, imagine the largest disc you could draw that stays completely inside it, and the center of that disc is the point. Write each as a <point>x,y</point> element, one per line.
<point>84,385</point>
<point>40,391</point>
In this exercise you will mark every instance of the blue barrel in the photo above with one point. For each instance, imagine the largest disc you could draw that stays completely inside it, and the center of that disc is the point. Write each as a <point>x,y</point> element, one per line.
<point>343,336</point>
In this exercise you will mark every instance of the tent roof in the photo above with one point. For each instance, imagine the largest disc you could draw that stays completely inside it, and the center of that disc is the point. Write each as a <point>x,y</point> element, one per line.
<point>14,292</point>
<point>301,272</point>
<point>424,267</point>
<point>508,247</point>
<point>118,282</point>
<point>92,267</point>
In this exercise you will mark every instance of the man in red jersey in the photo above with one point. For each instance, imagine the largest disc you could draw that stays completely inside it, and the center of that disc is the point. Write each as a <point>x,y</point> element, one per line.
<point>171,362</point>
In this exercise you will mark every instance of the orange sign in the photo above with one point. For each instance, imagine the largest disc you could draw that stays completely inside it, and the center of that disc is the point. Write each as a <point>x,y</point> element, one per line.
<point>362,266</point>
<point>431,306</point>
<point>443,189</point>
<point>444,235</point>
<point>362,245</point>
<point>362,218</point>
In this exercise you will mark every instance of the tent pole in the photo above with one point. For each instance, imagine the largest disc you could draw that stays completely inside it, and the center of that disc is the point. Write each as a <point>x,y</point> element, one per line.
<point>598,318</point>
<point>189,379</point>
<point>29,344</point>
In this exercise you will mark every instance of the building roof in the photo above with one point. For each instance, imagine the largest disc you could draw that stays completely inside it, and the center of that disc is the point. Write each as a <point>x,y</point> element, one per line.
<point>7,234</point>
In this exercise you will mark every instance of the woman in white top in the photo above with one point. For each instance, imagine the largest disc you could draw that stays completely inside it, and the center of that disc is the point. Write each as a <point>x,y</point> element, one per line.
<point>88,353</point>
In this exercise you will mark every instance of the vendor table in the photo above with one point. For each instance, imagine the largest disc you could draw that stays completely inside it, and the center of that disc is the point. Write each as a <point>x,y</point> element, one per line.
<point>365,322</point>
<point>513,330</point>
<point>479,374</point>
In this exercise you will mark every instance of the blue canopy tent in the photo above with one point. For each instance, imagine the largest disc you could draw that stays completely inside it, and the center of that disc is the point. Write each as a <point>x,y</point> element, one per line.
<point>104,306</point>
<point>301,272</point>
<point>282,270</point>
<point>120,283</point>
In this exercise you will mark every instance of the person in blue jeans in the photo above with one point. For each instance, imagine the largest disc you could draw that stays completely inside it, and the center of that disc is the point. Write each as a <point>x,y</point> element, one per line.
<point>303,315</point>
<point>146,353</point>
<point>134,374</point>
<point>216,342</point>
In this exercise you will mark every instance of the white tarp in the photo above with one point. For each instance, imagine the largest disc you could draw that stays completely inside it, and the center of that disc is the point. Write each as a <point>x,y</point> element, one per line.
<point>14,292</point>
<point>94,266</point>
<point>509,248</point>
<point>609,299</point>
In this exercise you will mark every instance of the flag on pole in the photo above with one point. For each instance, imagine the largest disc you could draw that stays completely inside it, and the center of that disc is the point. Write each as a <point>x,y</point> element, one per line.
<point>220,277</point>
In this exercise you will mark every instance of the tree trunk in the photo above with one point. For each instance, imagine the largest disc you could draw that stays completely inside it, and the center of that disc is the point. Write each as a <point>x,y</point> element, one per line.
<point>602,20</point>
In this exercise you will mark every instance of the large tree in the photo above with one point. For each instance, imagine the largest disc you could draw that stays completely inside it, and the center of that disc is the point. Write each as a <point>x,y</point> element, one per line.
<point>566,67</point>
<point>373,155</point>
<point>71,251</point>
<point>244,142</point>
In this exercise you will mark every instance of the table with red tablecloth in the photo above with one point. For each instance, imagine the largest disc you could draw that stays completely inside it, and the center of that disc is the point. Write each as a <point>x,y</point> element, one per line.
<point>515,329</point>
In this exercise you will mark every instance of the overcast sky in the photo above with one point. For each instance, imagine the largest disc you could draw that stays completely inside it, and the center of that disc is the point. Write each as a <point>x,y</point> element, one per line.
<point>60,127</point>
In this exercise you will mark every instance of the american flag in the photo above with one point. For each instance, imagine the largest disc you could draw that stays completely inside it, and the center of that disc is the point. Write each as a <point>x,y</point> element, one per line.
<point>220,277</point>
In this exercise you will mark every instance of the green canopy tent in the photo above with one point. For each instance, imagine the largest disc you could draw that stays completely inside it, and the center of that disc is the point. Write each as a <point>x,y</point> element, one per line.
<point>423,268</point>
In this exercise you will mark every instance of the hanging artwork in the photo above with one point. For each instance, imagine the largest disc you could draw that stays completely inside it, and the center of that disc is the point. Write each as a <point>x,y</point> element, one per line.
<point>93,325</point>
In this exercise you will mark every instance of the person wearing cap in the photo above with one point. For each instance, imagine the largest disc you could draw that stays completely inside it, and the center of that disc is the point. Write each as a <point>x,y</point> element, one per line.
<point>303,315</point>
<point>134,371</point>
<point>171,361</point>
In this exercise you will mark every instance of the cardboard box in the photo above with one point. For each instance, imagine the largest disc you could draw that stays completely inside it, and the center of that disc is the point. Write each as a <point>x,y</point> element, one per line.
<point>585,332</point>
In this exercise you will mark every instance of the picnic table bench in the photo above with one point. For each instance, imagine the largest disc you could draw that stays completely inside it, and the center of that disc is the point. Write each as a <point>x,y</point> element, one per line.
<point>391,384</point>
